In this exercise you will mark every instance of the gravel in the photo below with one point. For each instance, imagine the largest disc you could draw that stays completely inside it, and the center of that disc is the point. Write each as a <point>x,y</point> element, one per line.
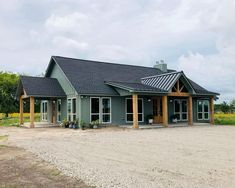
<point>198,156</point>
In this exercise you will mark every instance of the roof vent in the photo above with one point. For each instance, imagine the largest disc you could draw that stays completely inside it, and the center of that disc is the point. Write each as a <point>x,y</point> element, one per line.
<point>161,65</point>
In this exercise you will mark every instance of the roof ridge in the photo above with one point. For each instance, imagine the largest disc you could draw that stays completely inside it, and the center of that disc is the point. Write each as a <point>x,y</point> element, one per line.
<point>94,61</point>
<point>154,76</point>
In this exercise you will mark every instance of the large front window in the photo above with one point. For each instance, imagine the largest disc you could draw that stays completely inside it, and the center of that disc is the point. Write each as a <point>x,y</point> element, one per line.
<point>203,110</point>
<point>71,109</point>
<point>129,110</point>
<point>101,109</point>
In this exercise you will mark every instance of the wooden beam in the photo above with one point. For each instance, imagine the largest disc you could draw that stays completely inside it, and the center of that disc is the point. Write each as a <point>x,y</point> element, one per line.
<point>135,111</point>
<point>177,94</point>
<point>190,110</point>
<point>212,122</point>
<point>178,86</point>
<point>165,110</point>
<point>31,112</point>
<point>21,110</point>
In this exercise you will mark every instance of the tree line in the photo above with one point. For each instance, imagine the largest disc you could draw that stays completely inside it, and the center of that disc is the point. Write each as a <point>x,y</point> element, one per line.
<point>225,107</point>
<point>8,100</point>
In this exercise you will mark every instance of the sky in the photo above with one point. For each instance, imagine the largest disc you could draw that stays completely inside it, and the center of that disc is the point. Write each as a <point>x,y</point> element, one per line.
<point>197,37</point>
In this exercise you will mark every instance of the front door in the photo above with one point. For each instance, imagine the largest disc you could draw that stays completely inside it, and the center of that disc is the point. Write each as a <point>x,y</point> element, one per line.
<point>44,111</point>
<point>181,109</point>
<point>157,110</point>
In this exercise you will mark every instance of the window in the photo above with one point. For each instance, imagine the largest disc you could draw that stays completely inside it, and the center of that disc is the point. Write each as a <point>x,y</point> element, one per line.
<point>129,110</point>
<point>44,110</point>
<point>71,109</point>
<point>101,109</point>
<point>203,110</point>
<point>59,110</point>
<point>181,109</point>
<point>95,112</point>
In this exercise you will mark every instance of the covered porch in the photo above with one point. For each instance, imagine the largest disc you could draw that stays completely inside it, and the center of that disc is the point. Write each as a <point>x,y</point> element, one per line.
<point>43,89</point>
<point>171,95</point>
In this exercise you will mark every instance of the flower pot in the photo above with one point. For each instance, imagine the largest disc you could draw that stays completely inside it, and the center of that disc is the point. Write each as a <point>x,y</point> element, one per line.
<point>175,120</point>
<point>150,121</point>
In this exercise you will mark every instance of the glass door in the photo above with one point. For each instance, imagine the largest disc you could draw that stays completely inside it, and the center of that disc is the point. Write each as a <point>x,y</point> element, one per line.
<point>181,109</point>
<point>44,110</point>
<point>59,110</point>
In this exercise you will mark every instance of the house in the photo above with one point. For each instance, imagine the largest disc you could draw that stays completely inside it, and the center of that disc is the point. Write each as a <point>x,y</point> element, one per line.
<point>76,89</point>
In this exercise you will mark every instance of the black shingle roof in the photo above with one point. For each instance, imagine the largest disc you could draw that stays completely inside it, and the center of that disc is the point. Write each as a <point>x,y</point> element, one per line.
<point>41,86</point>
<point>88,77</point>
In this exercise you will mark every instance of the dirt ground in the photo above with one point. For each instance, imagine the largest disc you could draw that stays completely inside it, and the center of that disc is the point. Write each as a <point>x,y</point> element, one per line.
<point>19,168</point>
<point>198,156</point>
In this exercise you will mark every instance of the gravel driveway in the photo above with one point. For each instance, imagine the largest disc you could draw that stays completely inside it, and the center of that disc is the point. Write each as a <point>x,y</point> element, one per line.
<point>198,156</point>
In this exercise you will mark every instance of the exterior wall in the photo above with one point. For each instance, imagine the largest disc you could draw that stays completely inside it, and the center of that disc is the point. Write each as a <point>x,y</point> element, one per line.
<point>65,84</point>
<point>118,109</point>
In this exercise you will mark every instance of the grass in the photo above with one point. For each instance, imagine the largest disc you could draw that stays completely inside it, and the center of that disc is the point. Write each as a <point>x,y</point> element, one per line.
<point>225,119</point>
<point>13,119</point>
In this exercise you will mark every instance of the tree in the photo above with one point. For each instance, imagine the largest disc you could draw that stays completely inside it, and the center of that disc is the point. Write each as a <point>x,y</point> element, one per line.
<point>225,107</point>
<point>8,86</point>
<point>232,106</point>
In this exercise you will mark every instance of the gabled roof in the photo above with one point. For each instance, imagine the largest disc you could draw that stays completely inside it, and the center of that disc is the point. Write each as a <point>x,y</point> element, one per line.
<point>87,77</point>
<point>135,87</point>
<point>40,87</point>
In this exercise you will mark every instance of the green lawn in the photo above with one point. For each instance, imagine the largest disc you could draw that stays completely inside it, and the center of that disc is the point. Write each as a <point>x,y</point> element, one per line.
<point>225,119</point>
<point>14,121</point>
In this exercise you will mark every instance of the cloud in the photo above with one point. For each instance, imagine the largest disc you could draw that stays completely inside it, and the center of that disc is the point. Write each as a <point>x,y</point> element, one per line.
<point>196,36</point>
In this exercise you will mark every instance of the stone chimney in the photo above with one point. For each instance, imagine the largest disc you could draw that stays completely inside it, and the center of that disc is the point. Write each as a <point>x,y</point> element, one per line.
<point>161,65</point>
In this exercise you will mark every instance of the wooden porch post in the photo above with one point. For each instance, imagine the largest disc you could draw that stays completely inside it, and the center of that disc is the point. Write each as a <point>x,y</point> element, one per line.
<point>212,122</point>
<point>190,110</point>
<point>135,111</point>
<point>31,112</point>
<point>165,110</point>
<point>21,110</point>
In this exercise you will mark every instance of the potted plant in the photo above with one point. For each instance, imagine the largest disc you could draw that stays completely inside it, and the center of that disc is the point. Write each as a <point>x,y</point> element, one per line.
<point>174,118</point>
<point>65,123</point>
<point>82,124</point>
<point>150,119</point>
<point>95,124</point>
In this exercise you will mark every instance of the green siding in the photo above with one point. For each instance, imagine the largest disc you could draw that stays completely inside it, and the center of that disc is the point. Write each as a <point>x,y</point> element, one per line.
<point>65,84</point>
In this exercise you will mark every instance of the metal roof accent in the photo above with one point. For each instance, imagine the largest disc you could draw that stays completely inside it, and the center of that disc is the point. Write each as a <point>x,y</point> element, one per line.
<point>162,81</point>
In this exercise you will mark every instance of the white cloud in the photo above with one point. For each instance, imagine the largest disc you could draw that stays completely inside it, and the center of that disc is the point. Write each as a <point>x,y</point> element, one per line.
<point>196,36</point>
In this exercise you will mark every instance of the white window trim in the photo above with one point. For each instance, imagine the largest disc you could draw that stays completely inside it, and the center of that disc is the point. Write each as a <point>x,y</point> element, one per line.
<point>43,113</point>
<point>100,109</point>
<point>71,113</point>
<point>203,110</point>
<point>57,112</point>
<point>180,112</point>
<point>132,112</point>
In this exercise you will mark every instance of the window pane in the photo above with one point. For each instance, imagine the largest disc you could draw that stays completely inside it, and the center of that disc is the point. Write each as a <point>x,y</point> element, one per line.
<point>206,115</point>
<point>106,118</point>
<point>74,106</point>
<point>140,106</point>
<point>95,105</point>
<point>184,116</point>
<point>106,105</point>
<point>199,104</point>
<point>129,117</point>
<point>69,105</point>
<point>200,115</point>
<point>140,117</point>
<point>177,116</point>
<point>177,106</point>
<point>59,106</point>
<point>129,106</point>
<point>184,106</point>
<point>69,117</point>
<point>206,106</point>
<point>94,117</point>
